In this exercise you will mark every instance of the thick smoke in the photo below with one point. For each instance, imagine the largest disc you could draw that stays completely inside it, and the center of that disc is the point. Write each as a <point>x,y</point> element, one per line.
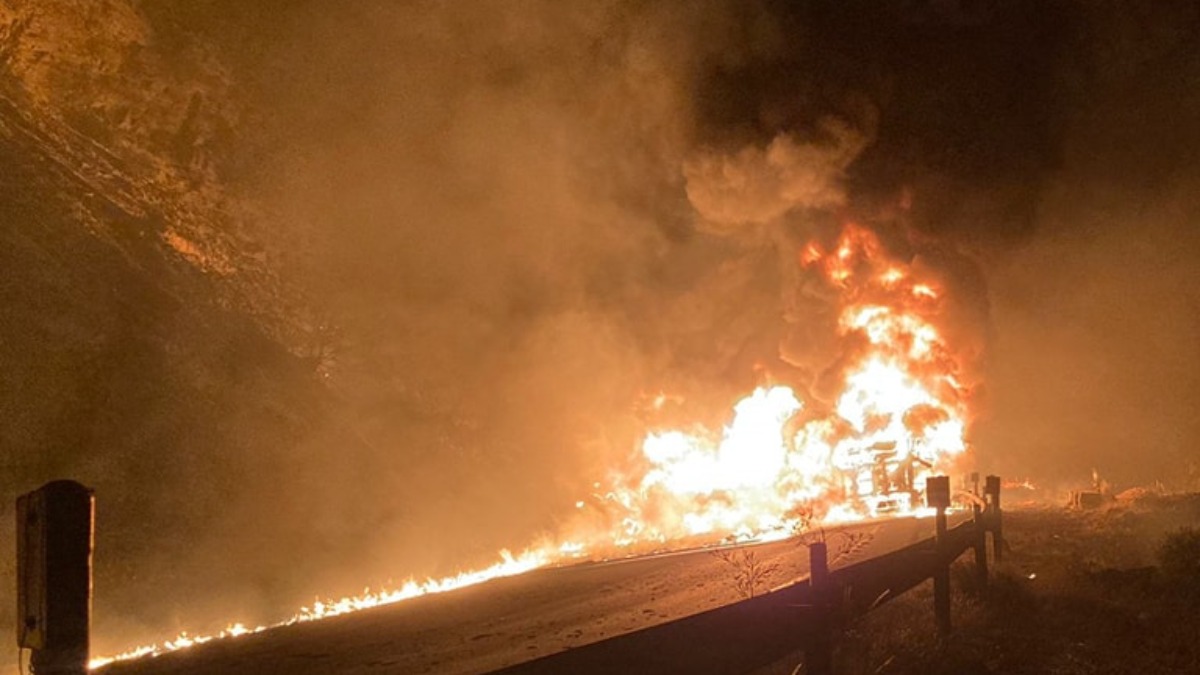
<point>1095,361</point>
<point>514,223</point>
<point>1037,158</point>
<point>760,186</point>
<point>489,211</point>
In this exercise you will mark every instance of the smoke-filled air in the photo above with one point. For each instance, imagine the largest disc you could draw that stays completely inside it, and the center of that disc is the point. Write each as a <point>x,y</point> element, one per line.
<point>324,297</point>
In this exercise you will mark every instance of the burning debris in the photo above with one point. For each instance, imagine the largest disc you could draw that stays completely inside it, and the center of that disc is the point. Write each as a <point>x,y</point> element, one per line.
<point>901,414</point>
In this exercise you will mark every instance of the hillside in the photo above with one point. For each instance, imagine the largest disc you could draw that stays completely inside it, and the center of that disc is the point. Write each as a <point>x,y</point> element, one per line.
<point>144,340</point>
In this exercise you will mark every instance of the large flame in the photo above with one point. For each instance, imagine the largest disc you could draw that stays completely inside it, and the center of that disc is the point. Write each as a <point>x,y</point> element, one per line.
<point>900,416</point>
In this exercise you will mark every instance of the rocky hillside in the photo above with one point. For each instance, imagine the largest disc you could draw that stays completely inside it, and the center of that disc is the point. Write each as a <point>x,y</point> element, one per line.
<point>147,347</point>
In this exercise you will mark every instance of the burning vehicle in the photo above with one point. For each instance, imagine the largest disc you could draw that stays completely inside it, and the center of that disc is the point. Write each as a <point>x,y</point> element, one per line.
<point>882,478</point>
<point>900,413</point>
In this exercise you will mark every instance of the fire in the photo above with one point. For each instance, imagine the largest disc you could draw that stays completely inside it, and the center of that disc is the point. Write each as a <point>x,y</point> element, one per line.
<point>509,565</point>
<point>781,462</point>
<point>901,415</point>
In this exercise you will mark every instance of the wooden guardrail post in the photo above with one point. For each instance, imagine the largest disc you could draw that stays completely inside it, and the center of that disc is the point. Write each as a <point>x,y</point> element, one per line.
<point>991,492</point>
<point>818,654</point>
<point>54,573</point>
<point>981,563</point>
<point>937,494</point>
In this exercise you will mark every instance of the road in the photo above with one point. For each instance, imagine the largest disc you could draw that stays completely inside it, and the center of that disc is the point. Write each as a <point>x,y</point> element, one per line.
<point>512,620</point>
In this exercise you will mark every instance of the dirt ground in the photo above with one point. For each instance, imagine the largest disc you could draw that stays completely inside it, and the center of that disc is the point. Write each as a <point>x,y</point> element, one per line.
<point>1077,592</point>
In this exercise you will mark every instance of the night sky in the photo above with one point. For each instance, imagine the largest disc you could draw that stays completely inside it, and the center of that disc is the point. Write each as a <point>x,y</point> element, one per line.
<point>380,288</point>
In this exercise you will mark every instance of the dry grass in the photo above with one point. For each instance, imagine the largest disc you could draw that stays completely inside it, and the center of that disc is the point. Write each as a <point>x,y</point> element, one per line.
<point>1077,593</point>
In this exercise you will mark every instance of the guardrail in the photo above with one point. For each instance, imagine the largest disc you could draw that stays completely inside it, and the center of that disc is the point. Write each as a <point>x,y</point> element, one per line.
<point>54,530</point>
<point>808,615</point>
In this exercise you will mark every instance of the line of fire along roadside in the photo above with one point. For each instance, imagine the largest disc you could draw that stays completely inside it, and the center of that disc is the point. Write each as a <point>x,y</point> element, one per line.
<point>55,531</point>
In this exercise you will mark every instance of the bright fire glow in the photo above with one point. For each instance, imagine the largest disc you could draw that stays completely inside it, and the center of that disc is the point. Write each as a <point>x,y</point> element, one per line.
<point>322,609</point>
<point>901,416</point>
<point>782,462</point>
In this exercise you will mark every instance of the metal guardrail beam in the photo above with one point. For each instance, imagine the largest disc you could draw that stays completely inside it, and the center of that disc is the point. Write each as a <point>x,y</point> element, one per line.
<point>760,631</point>
<point>754,633</point>
<point>724,641</point>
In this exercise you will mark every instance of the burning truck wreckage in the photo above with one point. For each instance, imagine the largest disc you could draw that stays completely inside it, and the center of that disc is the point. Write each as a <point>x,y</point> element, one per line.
<point>901,415</point>
<point>782,465</point>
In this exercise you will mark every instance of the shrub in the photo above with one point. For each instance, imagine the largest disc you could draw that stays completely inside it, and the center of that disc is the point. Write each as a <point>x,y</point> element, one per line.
<point>749,571</point>
<point>1179,559</point>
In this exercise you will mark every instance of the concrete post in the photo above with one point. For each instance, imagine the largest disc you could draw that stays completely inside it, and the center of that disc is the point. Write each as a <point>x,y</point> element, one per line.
<point>54,572</point>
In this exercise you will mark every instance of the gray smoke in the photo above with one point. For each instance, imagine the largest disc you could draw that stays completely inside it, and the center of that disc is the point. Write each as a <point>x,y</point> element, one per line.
<point>511,224</point>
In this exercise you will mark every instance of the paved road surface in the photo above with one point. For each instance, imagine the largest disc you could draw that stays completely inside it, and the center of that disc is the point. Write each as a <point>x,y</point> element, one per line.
<point>508,621</point>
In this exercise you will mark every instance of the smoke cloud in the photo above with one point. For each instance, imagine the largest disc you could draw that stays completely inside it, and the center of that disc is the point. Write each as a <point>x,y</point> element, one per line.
<point>510,225</point>
<point>759,186</point>
<point>1094,364</point>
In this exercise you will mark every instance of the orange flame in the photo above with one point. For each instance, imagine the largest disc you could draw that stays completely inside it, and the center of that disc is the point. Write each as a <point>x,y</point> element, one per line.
<point>901,416</point>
